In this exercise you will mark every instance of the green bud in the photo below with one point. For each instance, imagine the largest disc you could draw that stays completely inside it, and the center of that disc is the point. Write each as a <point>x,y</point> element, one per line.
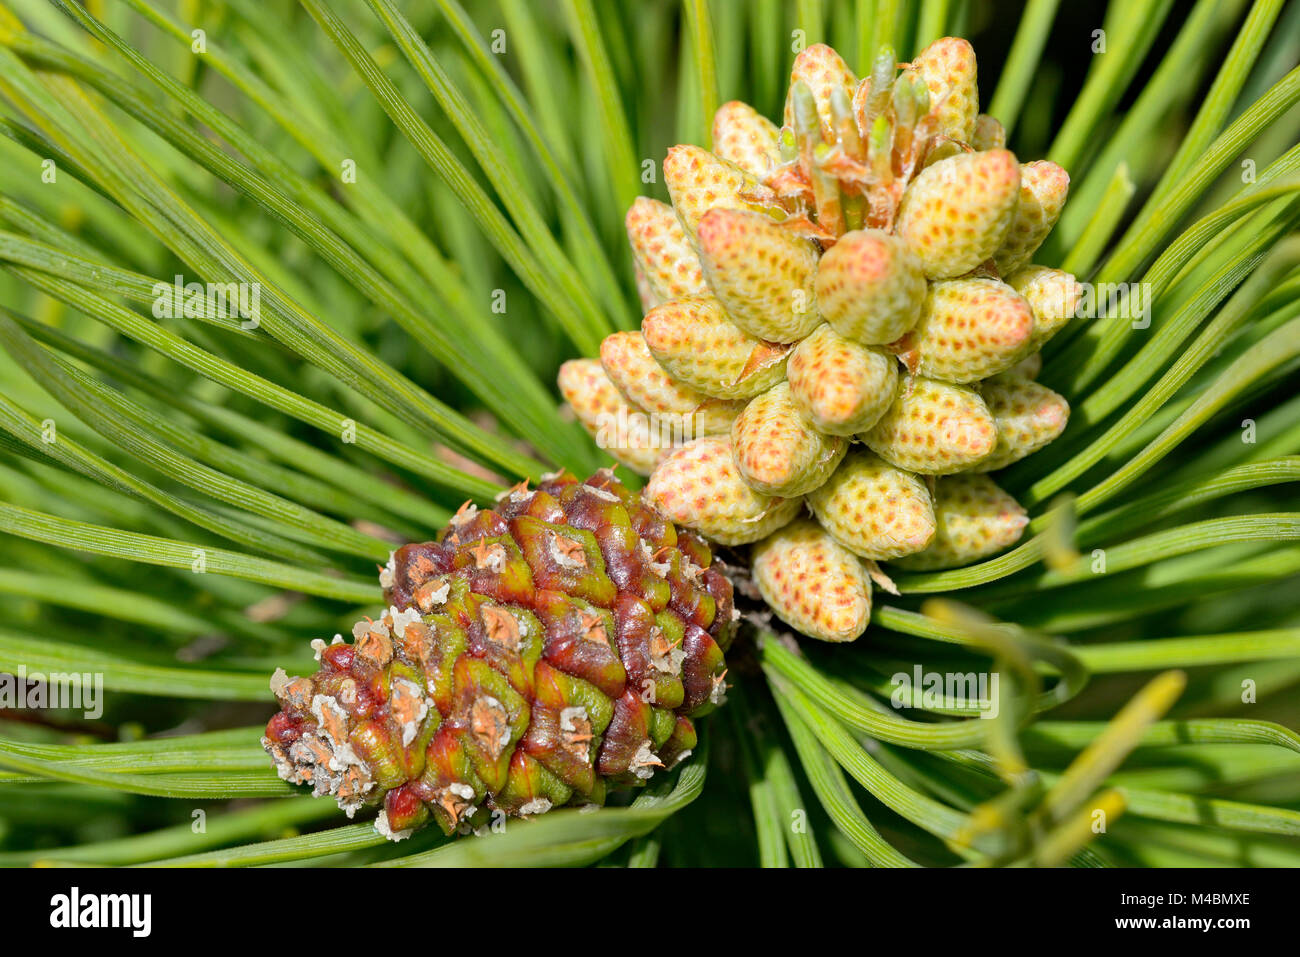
<point>921,94</point>
<point>806,120</point>
<point>905,102</point>
<point>880,135</point>
<point>882,68</point>
<point>841,105</point>
<point>846,126</point>
<point>882,82</point>
<point>788,145</point>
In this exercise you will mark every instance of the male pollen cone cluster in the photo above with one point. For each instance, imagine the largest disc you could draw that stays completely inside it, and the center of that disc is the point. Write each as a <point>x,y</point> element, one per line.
<point>842,313</point>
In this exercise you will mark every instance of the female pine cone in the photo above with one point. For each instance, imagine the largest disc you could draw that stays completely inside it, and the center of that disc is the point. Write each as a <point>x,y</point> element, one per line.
<point>533,656</point>
<point>840,313</point>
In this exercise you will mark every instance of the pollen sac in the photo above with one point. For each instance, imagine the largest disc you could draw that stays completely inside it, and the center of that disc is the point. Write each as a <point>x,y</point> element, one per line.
<point>618,427</point>
<point>698,182</point>
<point>777,451</point>
<point>934,428</point>
<point>663,252</point>
<point>746,138</point>
<point>632,368</point>
<point>1027,417</point>
<point>645,293</point>
<point>696,343</point>
<point>1052,294</point>
<point>1044,187</point>
<point>813,583</point>
<point>875,510</point>
<point>700,486</point>
<point>957,212</point>
<point>536,655</point>
<point>969,329</point>
<point>1028,367</point>
<point>948,68</point>
<point>870,287</point>
<point>640,379</point>
<point>760,273</point>
<point>823,71</point>
<point>974,519</point>
<point>841,387</point>
<point>989,134</point>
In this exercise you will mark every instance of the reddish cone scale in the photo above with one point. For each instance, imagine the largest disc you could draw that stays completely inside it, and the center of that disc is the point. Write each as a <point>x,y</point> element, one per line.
<point>533,656</point>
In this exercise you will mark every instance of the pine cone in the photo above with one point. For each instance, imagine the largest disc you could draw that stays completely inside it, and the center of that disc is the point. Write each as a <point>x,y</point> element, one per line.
<point>533,656</point>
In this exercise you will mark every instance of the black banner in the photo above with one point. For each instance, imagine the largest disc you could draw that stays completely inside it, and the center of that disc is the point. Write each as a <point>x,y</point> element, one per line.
<point>128,907</point>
